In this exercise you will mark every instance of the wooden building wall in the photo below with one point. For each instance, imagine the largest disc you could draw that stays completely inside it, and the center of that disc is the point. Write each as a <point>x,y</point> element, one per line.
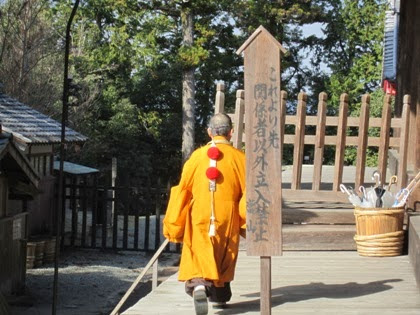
<point>408,73</point>
<point>41,209</point>
<point>13,234</point>
<point>408,82</point>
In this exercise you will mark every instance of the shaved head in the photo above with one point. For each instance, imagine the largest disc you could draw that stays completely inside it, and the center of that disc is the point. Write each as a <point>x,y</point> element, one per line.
<point>220,125</point>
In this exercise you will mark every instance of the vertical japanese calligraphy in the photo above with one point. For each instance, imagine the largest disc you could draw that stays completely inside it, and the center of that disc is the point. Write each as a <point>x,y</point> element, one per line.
<point>266,137</point>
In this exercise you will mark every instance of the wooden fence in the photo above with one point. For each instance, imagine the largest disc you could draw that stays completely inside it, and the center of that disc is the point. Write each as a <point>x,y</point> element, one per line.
<point>119,218</point>
<point>393,133</point>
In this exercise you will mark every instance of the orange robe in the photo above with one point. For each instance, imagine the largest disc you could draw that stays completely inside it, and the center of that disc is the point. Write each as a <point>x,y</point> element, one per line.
<point>187,218</point>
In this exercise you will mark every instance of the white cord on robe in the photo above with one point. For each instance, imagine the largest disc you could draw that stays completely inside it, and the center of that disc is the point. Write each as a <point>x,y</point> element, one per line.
<point>212,187</point>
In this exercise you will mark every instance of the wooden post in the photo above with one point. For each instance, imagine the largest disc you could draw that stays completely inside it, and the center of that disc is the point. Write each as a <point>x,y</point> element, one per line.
<point>104,217</point>
<point>74,214</point>
<point>94,211</point>
<point>283,98</point>
<point>362,141</point>
<point>384,137</point>
<point>84,209</point>
<point>219,107</point>
<point>238,123</point>
<point>157,213</point>
<point>114,213</point>
<point>265,278</point>
<point>403,149</point>
<point>113,180</point>
<point>341,141</point>
<point>263,153</point>
<point>319,140</point>
<point>299,141</point>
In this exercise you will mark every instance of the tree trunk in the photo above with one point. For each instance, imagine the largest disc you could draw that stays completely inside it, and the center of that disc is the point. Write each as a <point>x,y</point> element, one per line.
<point>188,89</point>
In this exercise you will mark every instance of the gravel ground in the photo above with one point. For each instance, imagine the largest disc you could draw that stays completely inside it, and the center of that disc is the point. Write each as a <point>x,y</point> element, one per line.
<point>89,282</point>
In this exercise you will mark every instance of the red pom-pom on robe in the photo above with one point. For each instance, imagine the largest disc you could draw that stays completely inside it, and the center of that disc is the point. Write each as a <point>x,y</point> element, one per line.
<point>212,173</point>
<point>213,153</point>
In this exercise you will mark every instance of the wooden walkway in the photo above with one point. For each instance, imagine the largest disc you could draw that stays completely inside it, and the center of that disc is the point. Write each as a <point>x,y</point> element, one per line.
<point>306,283</point>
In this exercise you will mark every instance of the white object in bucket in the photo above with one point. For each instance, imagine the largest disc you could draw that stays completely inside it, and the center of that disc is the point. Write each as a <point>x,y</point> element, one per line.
<point>353,198</point>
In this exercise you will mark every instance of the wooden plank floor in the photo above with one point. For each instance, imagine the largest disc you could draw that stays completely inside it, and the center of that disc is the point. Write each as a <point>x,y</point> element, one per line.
<point>306,283</point>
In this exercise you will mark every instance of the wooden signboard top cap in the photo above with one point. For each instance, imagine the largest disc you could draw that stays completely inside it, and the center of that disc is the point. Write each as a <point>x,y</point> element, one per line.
<point>260,30</point>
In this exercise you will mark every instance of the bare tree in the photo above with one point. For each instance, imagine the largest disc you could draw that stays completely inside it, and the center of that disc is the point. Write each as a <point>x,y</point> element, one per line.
<point>28,53</point>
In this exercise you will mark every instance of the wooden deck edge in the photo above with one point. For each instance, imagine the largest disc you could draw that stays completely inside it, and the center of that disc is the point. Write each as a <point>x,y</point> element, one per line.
<point>316,237</point>
<point>317,216</point>
<point>308,237</point>
<point>414,245</point>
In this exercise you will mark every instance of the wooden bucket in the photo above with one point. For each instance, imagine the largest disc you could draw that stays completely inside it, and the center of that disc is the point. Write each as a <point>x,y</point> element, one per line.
<point>30,254</point>
<point>49,250</point>
<point>39,253</point>
<point>379,231</point>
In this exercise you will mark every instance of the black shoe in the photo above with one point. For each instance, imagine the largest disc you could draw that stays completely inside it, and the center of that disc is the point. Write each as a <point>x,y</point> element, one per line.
<point>219,305</point>
<point>200,302</point>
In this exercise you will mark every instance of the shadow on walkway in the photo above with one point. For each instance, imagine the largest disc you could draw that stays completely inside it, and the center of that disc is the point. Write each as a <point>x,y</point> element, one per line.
<point>313,290</point>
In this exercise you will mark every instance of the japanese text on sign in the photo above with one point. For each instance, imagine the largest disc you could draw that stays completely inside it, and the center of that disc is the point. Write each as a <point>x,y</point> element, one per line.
<point>266,138</point>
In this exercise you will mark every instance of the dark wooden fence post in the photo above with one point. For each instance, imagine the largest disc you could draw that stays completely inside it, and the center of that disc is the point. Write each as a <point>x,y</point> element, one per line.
<point>104,212</point>
<point>74,215</point>
<point>158,196</point>
<point>136,221</point>
<point>147,214</point>
<point>84,209</point>
<point>94,211</point>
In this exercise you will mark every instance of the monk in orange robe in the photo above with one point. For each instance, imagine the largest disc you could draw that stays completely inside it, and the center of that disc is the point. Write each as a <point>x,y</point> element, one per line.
<point>206,212</point>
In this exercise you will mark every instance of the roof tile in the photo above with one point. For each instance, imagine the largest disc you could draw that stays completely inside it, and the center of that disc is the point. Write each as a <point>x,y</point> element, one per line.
<point>28,123</point>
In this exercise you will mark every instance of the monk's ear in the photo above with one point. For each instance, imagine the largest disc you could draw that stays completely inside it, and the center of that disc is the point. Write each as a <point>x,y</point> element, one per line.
<point>209,132</point>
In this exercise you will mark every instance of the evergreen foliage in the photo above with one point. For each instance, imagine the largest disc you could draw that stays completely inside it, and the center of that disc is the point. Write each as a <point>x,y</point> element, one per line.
<point>127,60</point>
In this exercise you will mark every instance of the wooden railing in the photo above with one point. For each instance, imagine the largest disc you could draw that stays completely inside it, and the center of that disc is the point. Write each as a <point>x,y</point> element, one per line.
<point>153,262</point>
<point>393,133</point>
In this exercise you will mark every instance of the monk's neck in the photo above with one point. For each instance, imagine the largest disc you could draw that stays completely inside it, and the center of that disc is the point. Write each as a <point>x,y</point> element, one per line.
<point>220,139</point>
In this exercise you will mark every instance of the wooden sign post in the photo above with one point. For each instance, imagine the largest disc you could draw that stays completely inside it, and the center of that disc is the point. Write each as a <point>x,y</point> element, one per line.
<point>263,153</point>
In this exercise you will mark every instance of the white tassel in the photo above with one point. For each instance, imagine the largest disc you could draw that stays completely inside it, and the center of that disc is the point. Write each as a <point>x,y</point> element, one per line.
<point>212,230</point>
